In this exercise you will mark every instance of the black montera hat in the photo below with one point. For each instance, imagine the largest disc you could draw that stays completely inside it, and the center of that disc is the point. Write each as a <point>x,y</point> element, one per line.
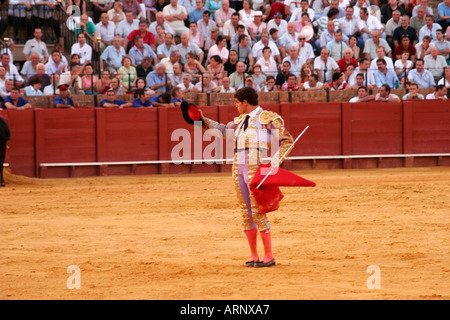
<point>190,112</point>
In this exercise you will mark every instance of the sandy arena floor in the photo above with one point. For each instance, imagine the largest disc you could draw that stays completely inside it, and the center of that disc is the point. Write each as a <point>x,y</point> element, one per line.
<point>179,237</point>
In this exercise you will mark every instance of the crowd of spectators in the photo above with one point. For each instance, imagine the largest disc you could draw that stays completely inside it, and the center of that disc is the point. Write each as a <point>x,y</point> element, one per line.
<point>160,50</point>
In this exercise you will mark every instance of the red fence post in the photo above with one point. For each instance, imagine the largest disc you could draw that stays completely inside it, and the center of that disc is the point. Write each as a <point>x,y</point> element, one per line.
<point>39,118</point>
<point>347,133</point>
<point>407,132</point>
<point>100,130</point>
<point>163,150</point>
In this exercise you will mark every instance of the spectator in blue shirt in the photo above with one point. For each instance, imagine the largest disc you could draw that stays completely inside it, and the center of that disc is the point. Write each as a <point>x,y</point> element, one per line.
<point>197,13</point>
<point>139,51</point>
<point>143,100</point>
<point>177,96</point>
<point>15,101</point>
<point>443,16</point>
<point>162,100</point>
<point>385,75</point>
<point>421,76</point>
<point>63,100</point>
<point>111,101</point>
<point>157,80</point>
<point>112,56</point>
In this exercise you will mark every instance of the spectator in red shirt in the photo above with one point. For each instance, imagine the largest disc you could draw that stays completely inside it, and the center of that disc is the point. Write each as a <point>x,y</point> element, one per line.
<point>348,58</point>
<point>338,82</point>
<point>405,45</point>
<point>148,37</point>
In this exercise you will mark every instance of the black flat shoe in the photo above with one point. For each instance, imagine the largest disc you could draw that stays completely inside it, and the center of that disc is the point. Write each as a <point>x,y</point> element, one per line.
<point>261,264</point>
<point>251,263</point>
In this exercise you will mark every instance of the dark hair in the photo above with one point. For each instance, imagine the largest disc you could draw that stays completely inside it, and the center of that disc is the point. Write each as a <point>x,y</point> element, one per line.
<point>333,11</point>
<point>336,76</point>
<point>387,87</point>
<point>165,97</point>
<point>36,80</point>
<point>265,48</point>
<point>73,65</point>
<point>247,94</point>
<point>217,58</point>
<point>175,90</point>
<point>417,60</point>
<point>363,87</point>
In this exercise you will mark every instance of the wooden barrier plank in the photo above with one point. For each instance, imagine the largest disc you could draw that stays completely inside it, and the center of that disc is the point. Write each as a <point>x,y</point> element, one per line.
<point>324,134</point>
<point>70,135</point>
<point>377,128</point>
<point>431,126</point>
<point>131,134</point>
<point>21,146</point>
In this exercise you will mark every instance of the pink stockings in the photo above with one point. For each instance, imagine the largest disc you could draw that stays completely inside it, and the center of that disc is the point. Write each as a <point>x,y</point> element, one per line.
<point>267,243</point>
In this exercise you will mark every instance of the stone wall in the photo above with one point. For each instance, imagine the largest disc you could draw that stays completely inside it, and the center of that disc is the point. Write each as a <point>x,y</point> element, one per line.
<point>224,99</point>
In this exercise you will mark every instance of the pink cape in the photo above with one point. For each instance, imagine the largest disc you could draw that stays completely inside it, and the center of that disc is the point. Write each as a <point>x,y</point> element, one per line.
<point>268,195</point>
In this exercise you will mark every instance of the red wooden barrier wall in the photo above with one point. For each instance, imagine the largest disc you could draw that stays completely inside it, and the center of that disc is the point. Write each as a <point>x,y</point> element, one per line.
<point>98,136</point>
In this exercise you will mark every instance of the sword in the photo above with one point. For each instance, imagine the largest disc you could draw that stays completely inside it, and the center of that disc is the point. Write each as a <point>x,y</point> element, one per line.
<point>287,151</point>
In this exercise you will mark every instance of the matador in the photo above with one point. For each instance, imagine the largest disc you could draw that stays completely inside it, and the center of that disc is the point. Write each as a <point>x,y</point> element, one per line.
<point>256,132</point>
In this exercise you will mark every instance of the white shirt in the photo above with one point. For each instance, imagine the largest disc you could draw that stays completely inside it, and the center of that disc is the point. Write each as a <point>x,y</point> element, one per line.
<point>435,66</point>
<point>85,52</point>
<point>295,65</point>
<point>170,11</point>
<point>425,31</point>
<point>391,25</point>
<point>124,28</point>
<point>297,14</point>
<point>431,96</point>
<point>306,52</point>
<point>228,28</point>
<point>326,68</point>
<point>230,90</point>
<point>419,49</point>
<point>34,46</point>
<point>414,12</point>
<point>259,46</point>
<point>368,82</point>
<point>48,90</point>
<point>307,86</point>
<point>42,11</point>
<point>51,67</point>
<point>268,68</point>
<point>389,63</point>
<point>282,28</point>
<point>370,24</point>
<point>13,73</point>
<point>447,83</point>
<point>348,26</point>
<point>108,32</point>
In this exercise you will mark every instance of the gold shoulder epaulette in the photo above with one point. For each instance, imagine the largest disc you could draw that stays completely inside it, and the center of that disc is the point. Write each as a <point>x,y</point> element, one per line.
<point>266,117</point>
<point>237,120</point>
